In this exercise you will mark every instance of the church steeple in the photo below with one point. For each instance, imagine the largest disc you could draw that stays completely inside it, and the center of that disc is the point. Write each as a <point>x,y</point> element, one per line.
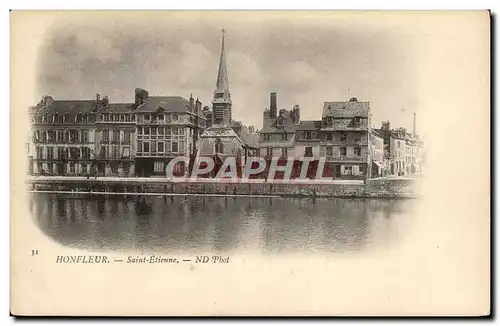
<point>222,98</point>
<point>222,85</point>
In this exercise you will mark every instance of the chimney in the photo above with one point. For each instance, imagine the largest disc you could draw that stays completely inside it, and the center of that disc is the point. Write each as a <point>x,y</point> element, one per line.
<point>273,105</point>
<point>414,124</point>
<point>353,99</point>
<point>386,126</point>
<point>105,101</point>
<point>296,110</point>
<point>198,106</point>
<point>141,96</point>
<point>97,97</point>
<point>47,100</point>
<point>191,103</point>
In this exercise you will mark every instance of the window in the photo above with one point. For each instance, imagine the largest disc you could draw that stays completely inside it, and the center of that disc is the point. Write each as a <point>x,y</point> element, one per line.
<point>175,117</point>
<point>175,147</point>
<point>329,150</point>
<point>159,166</point>
<point>284,152</point>
<point>266,136</point>
<point>181,147</point>
<point>114,152</point>
<point>269,151</point>
<point>116,117</point>
<point>121,117</point>
<point>153,131</point>
<point>284,136</point>
<point>357,137</point>
<point>146,130</point>
<point>114,167</point>
<point>161,131</point>
<point>74,153</point>
<point>147,117</point>
<point>343,151</point>
<point>84,168</point>
<point>60,153</point>
<point>146,147</point>
<point>308,151</point>
<point>105,135</point>
<point>39,152</point>
<point>347,170</point>
<point>168,131</point>
<point>85,136</point>
<point>357,121</point>
<point>308,135</point>
<point>361,169</point>
<point>139,146</point>
<point>343,136</point>
<point>161,147</point>
<point>127,117</point>
<point>72,167</point>
<point>50,153</point>
<point>126,136</point>
<point>181,131</point>
<point>86,153</point>
<point>161,118</point>
<point>329,136</point>
<point>357,151</point>
<point>116,135</point>
<point>175,131</point>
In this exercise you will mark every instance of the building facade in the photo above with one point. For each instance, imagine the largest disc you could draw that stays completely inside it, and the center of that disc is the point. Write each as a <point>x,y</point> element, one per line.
<point>167,127</point>
<point>115,139</point>
<point>63,136</point>
<point>345,140</point>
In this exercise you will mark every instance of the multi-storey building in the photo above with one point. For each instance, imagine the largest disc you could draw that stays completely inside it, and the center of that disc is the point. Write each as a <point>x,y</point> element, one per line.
<point>115,139</point>
<point>379,165</point>
<point>167,126</point>
<point>307,144</point>
<point>63,136</point>
<point>345,142</point>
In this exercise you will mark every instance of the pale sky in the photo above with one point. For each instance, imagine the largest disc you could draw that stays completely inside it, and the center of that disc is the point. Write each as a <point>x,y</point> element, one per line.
<point>306,58</point>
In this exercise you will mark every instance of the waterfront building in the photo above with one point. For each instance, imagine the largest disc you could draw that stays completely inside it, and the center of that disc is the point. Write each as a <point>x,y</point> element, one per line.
<point>63,136</point>
<point>345,127</point>
<point>167,126</point>
<point>115,139</point>
<point>379,163</point>
<point>307,144</point>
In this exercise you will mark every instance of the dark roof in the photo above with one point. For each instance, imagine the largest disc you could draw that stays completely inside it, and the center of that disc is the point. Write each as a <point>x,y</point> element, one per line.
<point>377,133</point>
<point>68,107</point>
<point>168,103</point>
<point>309,125</point>
<point>346,109</point>
<point>288,124</point>
<point>118,108</point>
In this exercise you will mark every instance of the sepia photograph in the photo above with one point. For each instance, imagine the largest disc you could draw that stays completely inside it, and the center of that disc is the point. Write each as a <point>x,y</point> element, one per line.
<point>265,163</point>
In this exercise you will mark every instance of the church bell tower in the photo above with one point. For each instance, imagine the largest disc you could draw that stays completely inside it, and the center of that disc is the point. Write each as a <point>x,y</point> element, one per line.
<point>221,103</point>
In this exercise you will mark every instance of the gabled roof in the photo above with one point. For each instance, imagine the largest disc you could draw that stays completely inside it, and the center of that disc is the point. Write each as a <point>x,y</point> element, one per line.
<point>288,124</point>
<point>174,104</point>
<point>309,125</point>
<point>68,107</point>
<point>346,109</point>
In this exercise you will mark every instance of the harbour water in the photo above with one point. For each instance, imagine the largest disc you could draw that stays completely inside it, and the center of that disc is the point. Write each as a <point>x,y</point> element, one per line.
<point>143,224</point>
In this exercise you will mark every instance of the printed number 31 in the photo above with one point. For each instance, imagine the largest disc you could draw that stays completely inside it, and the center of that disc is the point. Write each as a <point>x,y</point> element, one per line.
<point>34,252</point>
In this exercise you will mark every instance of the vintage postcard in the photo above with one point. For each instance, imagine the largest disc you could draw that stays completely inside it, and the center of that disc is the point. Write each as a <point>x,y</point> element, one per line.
<point>250,163</point>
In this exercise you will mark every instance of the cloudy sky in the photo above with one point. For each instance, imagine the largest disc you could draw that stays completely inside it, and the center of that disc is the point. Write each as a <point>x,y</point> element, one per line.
<point>306,58</point>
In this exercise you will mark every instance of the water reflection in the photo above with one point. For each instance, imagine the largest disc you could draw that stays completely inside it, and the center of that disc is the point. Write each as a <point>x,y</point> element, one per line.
<point>221,224</point>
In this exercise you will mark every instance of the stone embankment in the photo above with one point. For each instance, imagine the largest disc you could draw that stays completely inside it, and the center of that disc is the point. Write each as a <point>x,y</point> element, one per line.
<point>373,188</point>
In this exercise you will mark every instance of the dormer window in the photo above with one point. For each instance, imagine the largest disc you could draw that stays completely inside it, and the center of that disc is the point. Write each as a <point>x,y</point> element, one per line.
<point>284,136</point>
<point>266,136</point>
<point>357,121</point>
<point>308,135</point>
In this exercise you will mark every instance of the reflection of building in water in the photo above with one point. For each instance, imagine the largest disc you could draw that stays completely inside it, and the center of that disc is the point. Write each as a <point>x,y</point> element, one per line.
<point>211,225</point>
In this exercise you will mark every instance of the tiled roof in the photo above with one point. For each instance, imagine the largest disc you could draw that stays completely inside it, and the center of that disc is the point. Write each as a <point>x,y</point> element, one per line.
<point>287,126</point>
<point>346,109</point>
<point>68,107</point>
<point>309,125</point>
<point>168,103</point>
<point>117,107</point>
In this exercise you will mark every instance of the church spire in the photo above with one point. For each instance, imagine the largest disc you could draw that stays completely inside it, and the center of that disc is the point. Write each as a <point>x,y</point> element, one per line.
<point>222,79</point>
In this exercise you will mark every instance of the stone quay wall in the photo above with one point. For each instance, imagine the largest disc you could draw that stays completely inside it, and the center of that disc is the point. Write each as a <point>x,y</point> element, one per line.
<point>377,188</point>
